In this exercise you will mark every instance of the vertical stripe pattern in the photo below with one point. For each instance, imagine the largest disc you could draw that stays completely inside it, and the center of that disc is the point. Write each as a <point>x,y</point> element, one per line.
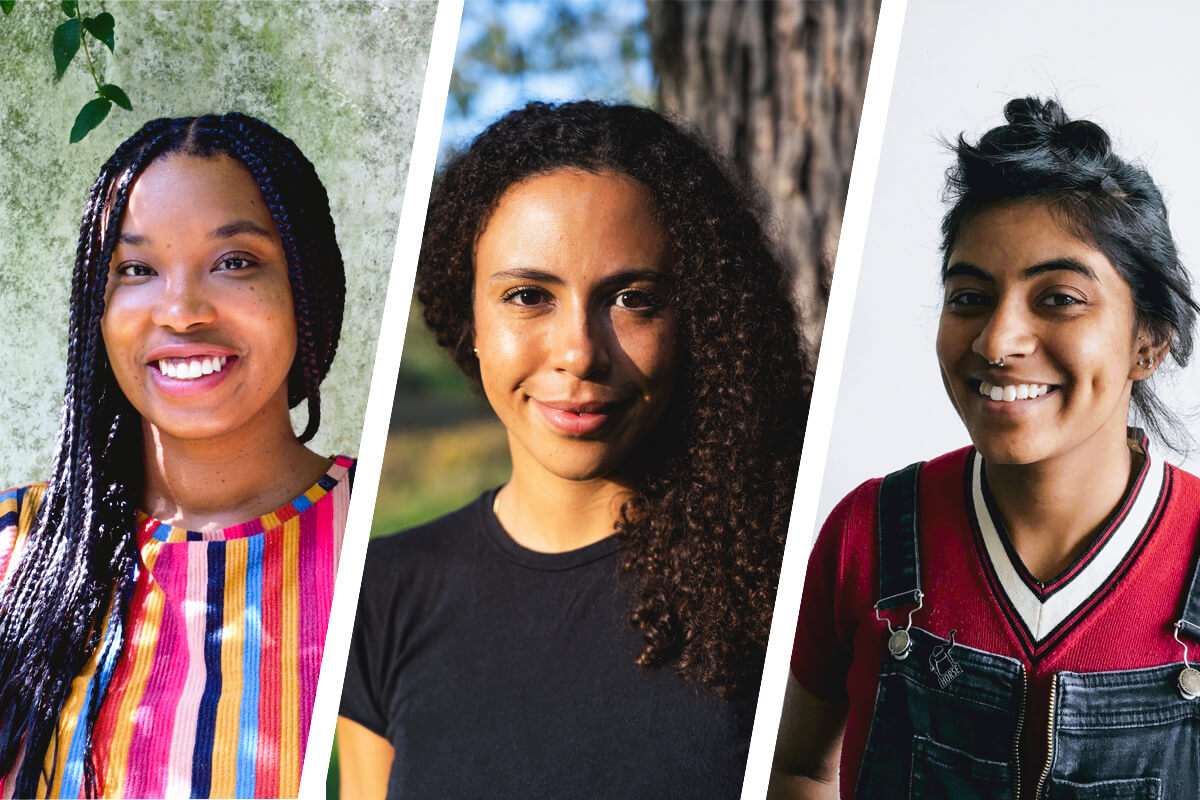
<point>212,695</point>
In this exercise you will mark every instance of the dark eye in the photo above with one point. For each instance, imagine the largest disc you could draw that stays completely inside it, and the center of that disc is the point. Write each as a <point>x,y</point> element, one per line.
<point>1058,299</point>
<point>968,298</point>
<point>638,300</point>
<point>134,270</point>
<point>525,296</point>
<point>233,263</point>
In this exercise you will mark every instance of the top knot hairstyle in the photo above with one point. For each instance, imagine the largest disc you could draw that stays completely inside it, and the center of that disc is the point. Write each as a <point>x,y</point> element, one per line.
<point>704,533</point>
<point>1098,197</point>
<point>77,570</point>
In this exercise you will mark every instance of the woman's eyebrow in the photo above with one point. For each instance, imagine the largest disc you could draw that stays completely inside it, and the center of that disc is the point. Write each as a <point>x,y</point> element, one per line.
<point>965,270</point>
<point>635,275</point>
<point>133,239</point>
<point>1055,264</point>
<point>232,229</point>
<point>525,274</point>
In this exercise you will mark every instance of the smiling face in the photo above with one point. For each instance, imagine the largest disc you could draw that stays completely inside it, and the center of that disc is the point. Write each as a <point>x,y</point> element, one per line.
<point>1020,288</point>
<point>198,322</point>
<point>575,340</point>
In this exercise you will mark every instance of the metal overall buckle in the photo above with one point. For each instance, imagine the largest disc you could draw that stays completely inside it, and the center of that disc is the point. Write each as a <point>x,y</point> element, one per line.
<point>899,641</point>
<point>1189,678</point>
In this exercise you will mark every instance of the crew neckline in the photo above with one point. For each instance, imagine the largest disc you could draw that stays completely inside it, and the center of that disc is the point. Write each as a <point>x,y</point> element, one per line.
<point>535,559</point>
<point>150,528</point>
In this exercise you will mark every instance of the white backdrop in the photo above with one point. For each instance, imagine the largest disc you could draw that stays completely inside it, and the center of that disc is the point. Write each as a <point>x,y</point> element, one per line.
<point>1132,69</point>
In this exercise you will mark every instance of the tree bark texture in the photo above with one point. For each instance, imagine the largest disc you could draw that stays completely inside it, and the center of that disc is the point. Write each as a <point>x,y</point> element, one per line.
<point>777,88</point>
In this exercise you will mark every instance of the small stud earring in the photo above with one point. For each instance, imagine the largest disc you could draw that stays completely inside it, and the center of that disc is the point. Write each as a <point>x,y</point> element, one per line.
<point>475,350</point>
<point>1145,363</point>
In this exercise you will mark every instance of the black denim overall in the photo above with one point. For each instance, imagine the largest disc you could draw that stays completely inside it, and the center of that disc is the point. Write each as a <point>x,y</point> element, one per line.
<point>948,718</point>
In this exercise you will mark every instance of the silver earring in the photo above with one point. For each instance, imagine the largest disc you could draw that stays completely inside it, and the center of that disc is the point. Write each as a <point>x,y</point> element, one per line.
<point>999,363</point>
<point>1145,363</point>
<point>475,350</point>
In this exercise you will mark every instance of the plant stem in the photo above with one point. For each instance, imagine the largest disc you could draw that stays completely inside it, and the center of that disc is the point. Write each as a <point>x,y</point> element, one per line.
<point>83,34</point>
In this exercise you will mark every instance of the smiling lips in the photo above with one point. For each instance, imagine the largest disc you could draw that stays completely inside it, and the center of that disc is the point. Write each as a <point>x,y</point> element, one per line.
<point>185,375</point>
<point>185,369</point>
<point>1013,392</point>
<point>578,419</point>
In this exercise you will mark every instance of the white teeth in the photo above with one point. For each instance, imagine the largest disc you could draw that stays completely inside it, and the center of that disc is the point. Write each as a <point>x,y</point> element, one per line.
<point>1012,392</point>
<point>186,369</point>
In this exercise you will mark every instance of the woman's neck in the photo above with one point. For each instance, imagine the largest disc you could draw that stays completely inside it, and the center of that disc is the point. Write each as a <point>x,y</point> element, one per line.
<point>1053,509</point>
<point>549,514</point>
<point>210,484</point>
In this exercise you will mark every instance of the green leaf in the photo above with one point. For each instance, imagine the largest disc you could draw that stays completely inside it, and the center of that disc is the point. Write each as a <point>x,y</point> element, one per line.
<point>101,26</point>
<point>112,92</point>
<point>91,115</point>
<point>70,7</point>
<point>7,5</point>
<point>65,45</point>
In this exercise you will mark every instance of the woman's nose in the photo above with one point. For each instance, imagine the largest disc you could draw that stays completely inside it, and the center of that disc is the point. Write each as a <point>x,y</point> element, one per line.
<point>183,304</point>
<point>581,342</point>
<point>1008,333</point>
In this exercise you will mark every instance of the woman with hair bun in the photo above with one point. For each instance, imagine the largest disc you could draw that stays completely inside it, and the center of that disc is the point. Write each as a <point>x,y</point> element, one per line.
<point>1014,619</point>
<point>596,626</point>
<point>154,638</point>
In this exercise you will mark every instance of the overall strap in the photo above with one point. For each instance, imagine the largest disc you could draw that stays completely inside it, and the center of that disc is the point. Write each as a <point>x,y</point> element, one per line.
<point>899,563</point>
<point>1190,623</point>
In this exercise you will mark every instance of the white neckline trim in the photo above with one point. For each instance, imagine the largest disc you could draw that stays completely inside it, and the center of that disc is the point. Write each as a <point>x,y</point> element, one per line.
<point>1042,618</point>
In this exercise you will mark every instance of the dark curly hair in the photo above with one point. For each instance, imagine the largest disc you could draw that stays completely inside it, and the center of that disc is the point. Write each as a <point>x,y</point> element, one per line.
<point>704,532</point>
<point>71,589</point>
<point>1100,198</point>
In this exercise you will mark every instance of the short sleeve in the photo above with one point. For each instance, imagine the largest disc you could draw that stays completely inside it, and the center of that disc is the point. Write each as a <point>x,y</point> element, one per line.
<point>363,692</point>
<point>822,650</point>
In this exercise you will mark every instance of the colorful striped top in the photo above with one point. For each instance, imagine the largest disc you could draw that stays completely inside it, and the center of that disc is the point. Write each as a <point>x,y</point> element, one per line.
<point>212,695</point>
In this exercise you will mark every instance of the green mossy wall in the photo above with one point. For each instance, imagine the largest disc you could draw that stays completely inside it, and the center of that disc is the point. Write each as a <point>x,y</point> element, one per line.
<point>343,80</point>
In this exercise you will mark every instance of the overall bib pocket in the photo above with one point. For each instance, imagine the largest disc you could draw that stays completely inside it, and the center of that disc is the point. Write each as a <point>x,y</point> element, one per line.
<point>945,724</point>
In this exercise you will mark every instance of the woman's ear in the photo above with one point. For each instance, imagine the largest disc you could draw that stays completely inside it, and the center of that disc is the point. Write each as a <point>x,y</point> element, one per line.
<point>1150,349</point>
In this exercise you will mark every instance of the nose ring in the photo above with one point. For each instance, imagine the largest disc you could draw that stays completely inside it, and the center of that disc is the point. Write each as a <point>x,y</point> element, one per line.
<point>999,363</point>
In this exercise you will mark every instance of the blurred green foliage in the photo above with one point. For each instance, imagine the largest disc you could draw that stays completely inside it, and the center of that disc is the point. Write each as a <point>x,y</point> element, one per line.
<point>445,445</point>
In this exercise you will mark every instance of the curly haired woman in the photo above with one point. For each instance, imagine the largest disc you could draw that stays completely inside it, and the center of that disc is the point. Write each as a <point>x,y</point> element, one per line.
<point>154,640</point>
<point>1013,619</point>
<point>596,626</point>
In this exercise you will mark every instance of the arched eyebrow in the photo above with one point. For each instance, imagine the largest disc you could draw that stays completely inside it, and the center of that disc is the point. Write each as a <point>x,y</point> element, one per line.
<point>966,270</point>
<point>232,229</point>
<point>133,239</point>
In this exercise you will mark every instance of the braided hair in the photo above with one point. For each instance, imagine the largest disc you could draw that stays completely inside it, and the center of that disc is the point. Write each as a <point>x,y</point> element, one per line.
<point>70,591</point>
<point>1100,198</point>
<point>704,531</point>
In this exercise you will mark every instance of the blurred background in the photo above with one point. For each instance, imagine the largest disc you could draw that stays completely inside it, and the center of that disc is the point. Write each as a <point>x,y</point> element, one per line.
<point>775,87</point>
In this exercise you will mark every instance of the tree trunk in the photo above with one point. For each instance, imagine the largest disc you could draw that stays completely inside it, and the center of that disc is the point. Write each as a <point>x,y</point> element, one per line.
<point>778,88</point>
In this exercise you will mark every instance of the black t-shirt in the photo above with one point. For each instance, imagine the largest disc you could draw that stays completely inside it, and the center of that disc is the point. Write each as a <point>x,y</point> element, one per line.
<point>497,671</point>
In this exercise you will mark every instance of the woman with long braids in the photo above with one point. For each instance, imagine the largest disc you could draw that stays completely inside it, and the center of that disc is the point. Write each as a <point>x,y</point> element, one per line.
<point>1014,619</point>
<point>596,626</point>
<point>154,638</point>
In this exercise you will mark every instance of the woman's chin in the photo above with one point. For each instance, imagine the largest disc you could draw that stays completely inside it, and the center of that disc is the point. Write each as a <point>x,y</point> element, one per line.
<point>1012,449</point>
